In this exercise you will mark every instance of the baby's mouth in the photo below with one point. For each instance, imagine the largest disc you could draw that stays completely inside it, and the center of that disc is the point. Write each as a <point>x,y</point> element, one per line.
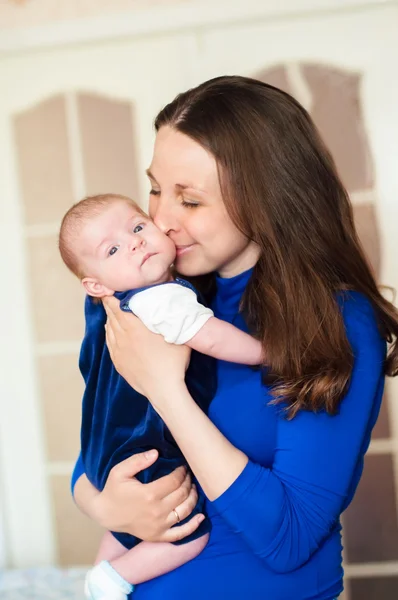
<point>146,256</point>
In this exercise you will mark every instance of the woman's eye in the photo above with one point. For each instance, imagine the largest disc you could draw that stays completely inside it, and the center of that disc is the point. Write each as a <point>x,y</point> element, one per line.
<point>138,228</point>
<point>189,204</point>
<point>154,192</point>
<point>113,250</point>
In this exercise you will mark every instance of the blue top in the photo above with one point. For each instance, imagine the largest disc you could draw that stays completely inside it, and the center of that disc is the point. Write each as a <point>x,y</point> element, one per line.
<point>118,422</point>
<point>276,531</point>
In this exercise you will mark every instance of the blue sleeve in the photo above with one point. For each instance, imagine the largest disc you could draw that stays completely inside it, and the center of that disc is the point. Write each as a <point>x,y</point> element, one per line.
<point>78,471</point>
<point>285,512</point>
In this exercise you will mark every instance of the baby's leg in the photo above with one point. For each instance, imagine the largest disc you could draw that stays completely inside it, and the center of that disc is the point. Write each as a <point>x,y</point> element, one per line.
<point>148,560</point>
<point>102,581</point>
<point>117,570</point>
<point>110,548</point>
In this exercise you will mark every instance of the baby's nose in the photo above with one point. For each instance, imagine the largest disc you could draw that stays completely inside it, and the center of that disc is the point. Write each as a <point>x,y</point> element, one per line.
<point>136,243</point>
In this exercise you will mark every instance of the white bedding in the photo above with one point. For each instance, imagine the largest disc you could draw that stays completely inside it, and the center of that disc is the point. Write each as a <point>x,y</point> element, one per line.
<point>42,584</point>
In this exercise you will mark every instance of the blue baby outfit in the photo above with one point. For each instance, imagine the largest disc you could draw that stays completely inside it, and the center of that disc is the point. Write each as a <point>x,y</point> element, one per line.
<point>118,422</point>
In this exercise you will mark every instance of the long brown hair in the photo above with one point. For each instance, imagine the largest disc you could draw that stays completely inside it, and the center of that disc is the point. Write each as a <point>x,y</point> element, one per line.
<point>281,189</point>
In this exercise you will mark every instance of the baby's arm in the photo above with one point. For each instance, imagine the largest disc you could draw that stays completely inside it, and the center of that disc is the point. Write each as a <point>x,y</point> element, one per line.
<point>174,312</point>
<point>224,341</point>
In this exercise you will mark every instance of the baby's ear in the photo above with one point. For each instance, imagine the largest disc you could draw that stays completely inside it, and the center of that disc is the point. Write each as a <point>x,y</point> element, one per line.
<point>95,289</point>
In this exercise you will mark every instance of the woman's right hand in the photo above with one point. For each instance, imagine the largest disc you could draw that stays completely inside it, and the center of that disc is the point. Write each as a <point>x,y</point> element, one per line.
<point>144,510</point>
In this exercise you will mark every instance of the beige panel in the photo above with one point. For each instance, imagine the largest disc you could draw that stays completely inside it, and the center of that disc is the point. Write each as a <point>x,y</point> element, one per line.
<point>370,522</point>
<point>337,112</point>
<point>374,588</point>
<point>368,231</point>
<point>43,159</point>
<point>62,389</point>
<point>275,76</point>
<point>109,156</point>
<point>78,537</point>
<point>57,296</point>
<point>382,428</point>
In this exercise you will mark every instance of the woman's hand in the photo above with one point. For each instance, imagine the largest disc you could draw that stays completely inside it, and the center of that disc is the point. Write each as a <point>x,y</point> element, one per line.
<point>143,510</point>
<point>144,359</point>
<point>157,370</point>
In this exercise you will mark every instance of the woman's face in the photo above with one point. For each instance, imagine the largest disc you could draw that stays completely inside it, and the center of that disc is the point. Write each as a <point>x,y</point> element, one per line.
<point>186,203</point>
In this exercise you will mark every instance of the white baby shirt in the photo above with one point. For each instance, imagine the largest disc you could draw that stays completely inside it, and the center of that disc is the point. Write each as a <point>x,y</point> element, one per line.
<point>172,310</point>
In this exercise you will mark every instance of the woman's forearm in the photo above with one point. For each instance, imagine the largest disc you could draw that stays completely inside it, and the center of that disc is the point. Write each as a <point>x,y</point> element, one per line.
<point>86,497</point>
<point>213,459</point>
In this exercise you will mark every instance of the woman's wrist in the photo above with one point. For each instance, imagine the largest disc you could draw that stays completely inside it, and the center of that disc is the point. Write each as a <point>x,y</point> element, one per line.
<point>160,398</point>
<point>98,510</point>
<point>218,463</point>
<point>102,511</point>
<point>89,499</point>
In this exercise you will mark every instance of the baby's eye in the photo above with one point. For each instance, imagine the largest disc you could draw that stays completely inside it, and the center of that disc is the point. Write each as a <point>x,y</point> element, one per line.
<point>138,228</point>
<point>113,250</point>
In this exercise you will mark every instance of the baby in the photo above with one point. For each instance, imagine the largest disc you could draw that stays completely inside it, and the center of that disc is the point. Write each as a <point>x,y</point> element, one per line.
<point>115,249</point>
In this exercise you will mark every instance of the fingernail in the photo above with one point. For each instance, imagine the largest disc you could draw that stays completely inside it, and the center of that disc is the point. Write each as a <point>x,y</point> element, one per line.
<point>201,518</point>
<point>150,454</point>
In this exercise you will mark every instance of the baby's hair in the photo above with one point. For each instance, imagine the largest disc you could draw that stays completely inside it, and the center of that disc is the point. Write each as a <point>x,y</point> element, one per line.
<point>76,217</point>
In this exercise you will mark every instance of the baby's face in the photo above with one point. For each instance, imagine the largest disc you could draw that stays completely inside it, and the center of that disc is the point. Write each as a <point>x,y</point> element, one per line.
<point>121,249</point>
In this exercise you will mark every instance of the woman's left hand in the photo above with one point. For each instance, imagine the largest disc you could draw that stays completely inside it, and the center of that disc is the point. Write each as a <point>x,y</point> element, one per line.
<point>148,363</point>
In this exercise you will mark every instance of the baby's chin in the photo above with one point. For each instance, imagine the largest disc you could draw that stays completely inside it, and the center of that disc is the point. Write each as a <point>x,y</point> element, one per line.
<point>154,279</point>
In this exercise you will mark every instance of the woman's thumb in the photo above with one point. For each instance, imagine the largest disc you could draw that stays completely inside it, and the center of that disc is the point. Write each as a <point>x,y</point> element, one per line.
<point>136,463</point>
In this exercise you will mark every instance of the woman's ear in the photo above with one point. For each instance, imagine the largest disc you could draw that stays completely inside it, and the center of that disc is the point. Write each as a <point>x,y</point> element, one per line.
<point>96,289</point>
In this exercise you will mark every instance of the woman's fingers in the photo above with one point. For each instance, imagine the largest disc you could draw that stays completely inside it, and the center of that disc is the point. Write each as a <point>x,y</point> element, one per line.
<point>116,318</point>
<point>143,358</point>
<point>164,486</point>
<point>129,467</point>
<point>184,509</point>
<point>182,531</point>
<point>110,312</point>
<point>110,340</point>
<point>179,496</point>
<point>111,305</point>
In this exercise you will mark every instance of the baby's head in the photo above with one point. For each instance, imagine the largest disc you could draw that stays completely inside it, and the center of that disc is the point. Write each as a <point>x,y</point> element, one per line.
<point>111,245</point>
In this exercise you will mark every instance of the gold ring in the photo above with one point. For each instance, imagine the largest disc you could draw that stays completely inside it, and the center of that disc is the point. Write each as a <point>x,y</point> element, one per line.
<point>177,515</point>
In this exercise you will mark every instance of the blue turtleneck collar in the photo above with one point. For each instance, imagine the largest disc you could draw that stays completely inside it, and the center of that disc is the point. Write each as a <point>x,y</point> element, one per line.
<point>230,291</point>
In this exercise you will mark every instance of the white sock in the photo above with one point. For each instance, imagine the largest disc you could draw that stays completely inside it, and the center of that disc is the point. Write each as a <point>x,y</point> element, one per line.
<point>104,583</point>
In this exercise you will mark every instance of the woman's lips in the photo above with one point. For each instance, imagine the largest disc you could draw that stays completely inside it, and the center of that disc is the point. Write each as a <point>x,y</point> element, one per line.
<point>183,249</point>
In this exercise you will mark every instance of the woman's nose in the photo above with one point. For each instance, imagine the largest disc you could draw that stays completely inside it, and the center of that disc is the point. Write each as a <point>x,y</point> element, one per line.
<point>162,215</point>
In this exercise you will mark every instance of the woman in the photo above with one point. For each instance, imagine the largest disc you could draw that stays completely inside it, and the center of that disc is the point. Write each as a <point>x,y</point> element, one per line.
<point>243,185</point>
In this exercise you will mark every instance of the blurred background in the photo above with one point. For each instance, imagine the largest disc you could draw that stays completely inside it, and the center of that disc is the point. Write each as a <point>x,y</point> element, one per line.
<point>80,84</point>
